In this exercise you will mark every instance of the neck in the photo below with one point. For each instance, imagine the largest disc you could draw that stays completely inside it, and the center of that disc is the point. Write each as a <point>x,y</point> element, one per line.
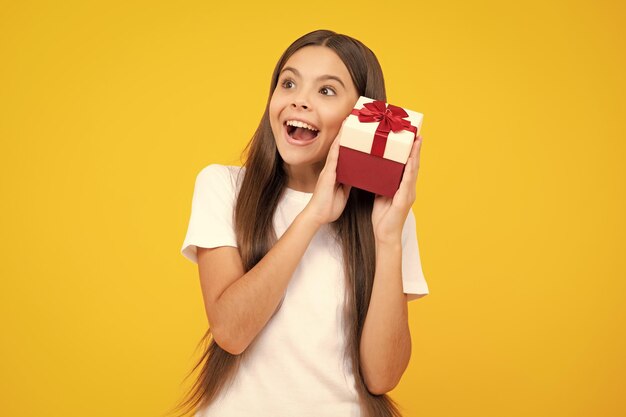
<point>302,178</point>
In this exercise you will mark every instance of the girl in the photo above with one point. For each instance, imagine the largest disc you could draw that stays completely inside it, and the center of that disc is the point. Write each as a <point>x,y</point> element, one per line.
<point>305,281</point>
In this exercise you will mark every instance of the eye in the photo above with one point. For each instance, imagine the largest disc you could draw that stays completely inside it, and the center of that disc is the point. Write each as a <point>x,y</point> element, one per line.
<point>328,89</point>
<point>286,83</point>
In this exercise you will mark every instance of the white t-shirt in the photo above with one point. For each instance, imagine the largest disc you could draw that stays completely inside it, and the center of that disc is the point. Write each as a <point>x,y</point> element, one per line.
<point>295,366</point>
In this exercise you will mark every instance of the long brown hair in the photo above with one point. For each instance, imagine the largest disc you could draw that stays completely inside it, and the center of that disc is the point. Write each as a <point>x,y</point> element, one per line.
<point>261,189</point>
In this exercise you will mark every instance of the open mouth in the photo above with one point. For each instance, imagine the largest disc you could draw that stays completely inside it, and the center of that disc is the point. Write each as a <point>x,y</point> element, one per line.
<point>301,133</point>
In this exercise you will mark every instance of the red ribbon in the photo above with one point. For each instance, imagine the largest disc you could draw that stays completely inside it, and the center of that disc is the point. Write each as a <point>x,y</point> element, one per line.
<point>390,118</point>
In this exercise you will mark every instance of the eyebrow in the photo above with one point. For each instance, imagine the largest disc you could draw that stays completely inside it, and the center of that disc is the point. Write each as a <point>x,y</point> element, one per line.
<point>321,77</point>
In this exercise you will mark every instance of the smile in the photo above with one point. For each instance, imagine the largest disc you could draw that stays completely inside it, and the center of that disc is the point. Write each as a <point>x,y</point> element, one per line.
<point>300,133</point>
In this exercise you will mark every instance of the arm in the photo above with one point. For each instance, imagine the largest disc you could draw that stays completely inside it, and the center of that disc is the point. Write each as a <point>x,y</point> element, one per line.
<point>386,340</point>
<point>239,304</point>
<point>385,347</point>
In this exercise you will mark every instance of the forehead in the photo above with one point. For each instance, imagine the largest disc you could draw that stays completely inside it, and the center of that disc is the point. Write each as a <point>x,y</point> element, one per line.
<point>314,60</point>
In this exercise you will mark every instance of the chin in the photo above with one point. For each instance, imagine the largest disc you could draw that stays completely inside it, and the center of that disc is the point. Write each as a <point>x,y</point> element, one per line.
<point>297,160</point>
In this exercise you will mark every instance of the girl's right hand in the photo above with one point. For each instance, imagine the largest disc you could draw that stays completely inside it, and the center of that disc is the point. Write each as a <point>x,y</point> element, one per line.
<point>329,198</point>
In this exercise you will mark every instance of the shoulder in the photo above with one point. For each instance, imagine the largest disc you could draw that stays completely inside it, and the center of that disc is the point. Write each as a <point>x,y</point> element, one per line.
<point>217,171</point>
<point>217,177</point>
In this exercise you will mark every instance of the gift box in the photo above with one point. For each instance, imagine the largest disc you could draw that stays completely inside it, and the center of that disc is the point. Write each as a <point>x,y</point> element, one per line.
<point>375,142</point>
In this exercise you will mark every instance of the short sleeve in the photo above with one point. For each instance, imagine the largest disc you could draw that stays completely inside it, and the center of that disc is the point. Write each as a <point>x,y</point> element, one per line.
<point>211,219</point>
<point>413,280</point>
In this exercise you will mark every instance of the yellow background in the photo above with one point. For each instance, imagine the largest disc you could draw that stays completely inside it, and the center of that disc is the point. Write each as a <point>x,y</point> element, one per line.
<point>108,110</point>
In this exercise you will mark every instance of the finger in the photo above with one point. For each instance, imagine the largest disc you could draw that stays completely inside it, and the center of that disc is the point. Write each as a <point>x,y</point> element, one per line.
<point>334,149</point>
<point>413,161</point>
<point>330,164</point>
<point>416,148</point>
<point>333,156</point>
<point>409,177</point>
<point>327,179</point>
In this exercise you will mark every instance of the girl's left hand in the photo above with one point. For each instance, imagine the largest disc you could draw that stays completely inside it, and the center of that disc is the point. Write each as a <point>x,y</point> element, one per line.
<point>389,214</point>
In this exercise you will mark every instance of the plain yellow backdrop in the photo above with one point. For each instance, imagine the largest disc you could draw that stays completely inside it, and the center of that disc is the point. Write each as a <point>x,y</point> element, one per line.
<point>109,109</point>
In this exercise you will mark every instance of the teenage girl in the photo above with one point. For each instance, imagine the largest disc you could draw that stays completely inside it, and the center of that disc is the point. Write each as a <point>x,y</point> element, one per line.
<point>305,281</point>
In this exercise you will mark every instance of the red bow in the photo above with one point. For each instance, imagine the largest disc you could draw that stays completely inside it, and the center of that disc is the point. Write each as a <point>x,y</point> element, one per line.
<point>390,118</point>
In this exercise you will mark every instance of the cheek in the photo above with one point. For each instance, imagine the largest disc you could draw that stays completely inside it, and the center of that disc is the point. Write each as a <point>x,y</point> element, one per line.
<point>274,113</point>
<point>272,107</point>
<point>344,110</point>
<point>334,122</point>
<point>275,102</point>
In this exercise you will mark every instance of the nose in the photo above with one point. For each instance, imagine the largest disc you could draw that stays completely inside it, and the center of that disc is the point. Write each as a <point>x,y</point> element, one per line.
<point>301,101</point>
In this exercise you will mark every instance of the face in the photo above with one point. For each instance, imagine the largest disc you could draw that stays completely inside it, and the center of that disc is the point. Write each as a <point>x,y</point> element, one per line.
<point>314,87</point>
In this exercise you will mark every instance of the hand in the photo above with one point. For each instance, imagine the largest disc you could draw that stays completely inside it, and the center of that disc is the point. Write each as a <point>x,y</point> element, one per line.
<point>329,198</point>
<point>389,214</point>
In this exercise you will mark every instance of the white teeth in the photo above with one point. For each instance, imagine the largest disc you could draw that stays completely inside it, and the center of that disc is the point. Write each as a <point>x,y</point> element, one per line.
<point>298,123</point>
